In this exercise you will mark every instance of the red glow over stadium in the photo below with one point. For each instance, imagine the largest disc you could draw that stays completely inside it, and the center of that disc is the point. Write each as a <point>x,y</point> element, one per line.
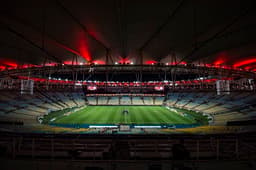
<point>2,67</point>
<point>221,58</point>
<point>96,35</point>
<point>83,47</point>
<point>100,62</point>
<point>107,85</point>
<point>70,63</point>
<point>8,63</point>
<point>51,64</point>
<point>124,60</point>
<point>66,48</point>
<point>183,63</point>
<point>219,62</point>
<point>151,62</point>
<point>26,66</point>
<point>208,65</point>
<point>11,64</point>
<point>175,63</point>
<point>30,65</point>
<point>248,68</point>
<point>245,62</point>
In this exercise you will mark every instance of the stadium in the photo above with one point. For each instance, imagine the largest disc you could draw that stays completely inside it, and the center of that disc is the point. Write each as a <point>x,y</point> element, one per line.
<point>122,84</point>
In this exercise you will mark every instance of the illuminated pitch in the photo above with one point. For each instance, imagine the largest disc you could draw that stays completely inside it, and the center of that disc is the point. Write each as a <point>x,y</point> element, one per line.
<point>139,115</point>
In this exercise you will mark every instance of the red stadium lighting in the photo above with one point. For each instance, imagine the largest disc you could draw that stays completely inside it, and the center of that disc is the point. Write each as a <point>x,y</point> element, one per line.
<point>70,63</point>
<point>84,47</point>
<point>159,88</point>
<point>2,67</point>
<point>91,88</point>
<point>11,64</point>
<point>66,48</point>
<point>124,61</point>
<point>29,65</point>
<point>100,62</point>
<point>8,64</point>
<point>221,58</point>
<point>175,63</point>
<point>208,65</point>
<point>151,62</point>
<point>51,64</point>
<point>219,62</point>
<point>183,63</point>
<point>245,62</point>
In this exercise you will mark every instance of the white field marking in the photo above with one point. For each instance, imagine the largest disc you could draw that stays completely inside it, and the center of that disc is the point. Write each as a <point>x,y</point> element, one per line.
<point>157,127</point>
<point>174,110</point>
<point>171,109</point>
<point>53,119</point>
<point>92,126</point>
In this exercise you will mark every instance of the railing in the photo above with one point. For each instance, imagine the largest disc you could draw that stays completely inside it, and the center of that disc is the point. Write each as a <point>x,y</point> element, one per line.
<point>129,147</point>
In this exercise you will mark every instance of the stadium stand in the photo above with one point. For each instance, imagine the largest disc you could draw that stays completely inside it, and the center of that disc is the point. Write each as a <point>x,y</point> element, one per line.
<point>137,100</point>
<point>113,100</point>
<point>223,108</point>
<point>125,100</point>
<point>27,108</point>
<point>158,100</point>
<point>102,100</point>
<point>92,100</point>
<point>148,100</point>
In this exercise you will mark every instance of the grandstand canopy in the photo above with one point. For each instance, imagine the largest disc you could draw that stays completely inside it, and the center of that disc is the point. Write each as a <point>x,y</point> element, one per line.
<point>176,31</point>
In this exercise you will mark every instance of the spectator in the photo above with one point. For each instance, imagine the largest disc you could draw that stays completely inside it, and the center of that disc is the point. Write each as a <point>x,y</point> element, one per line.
<point>180,154</point>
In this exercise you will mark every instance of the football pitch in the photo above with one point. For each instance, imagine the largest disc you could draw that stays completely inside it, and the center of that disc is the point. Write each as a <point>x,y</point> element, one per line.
<point>134,115</point>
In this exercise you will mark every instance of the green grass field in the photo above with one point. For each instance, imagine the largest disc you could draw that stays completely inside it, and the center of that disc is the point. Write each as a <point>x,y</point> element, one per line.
<point>114,115</point>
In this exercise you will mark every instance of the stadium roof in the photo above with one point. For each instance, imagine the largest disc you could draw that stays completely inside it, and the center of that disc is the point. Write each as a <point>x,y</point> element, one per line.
<point>192,31</point>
